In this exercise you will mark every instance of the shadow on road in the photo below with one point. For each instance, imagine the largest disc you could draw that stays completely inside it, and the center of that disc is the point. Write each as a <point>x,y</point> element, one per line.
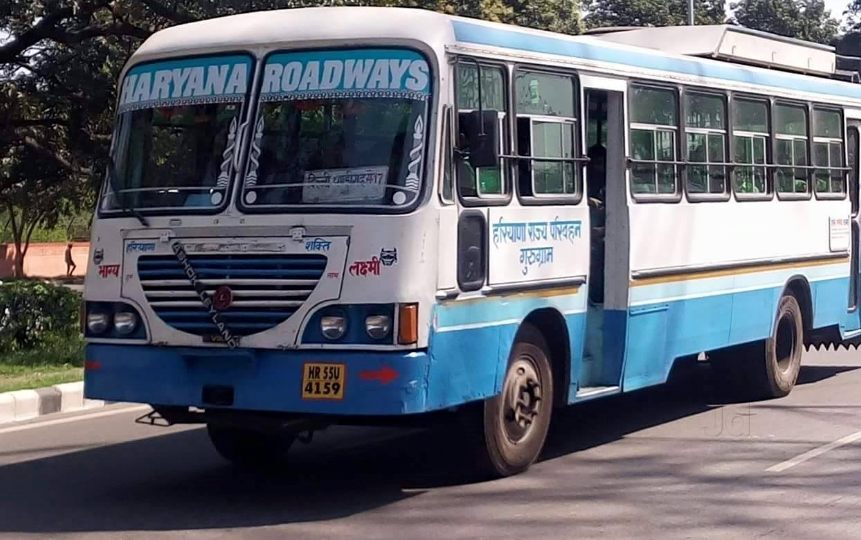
<point>814,374</point>
<point>176,482</point>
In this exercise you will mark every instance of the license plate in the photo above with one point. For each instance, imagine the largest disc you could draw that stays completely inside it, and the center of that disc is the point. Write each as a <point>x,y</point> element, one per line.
<point>323,381</point>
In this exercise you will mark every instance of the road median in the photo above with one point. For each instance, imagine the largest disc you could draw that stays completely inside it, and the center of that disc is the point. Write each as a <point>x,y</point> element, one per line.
<point>28,404</point>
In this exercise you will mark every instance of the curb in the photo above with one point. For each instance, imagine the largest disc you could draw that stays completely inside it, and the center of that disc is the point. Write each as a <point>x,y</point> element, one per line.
<point>28,404</point>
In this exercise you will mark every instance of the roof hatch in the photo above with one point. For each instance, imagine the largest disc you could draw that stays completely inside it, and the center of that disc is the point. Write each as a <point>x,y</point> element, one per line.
<point>730,43</point>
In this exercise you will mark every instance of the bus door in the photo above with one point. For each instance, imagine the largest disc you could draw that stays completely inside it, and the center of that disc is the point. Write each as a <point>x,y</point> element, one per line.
<point>852,139</point>
<point>606,324</point>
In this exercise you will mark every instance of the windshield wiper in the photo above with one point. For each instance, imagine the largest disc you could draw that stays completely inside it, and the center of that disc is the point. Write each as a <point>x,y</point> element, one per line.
<point>119,196</point>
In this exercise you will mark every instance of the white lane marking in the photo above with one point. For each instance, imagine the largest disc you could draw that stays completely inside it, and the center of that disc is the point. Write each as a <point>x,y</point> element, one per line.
<point>86,416</point>
<point>816,452</point>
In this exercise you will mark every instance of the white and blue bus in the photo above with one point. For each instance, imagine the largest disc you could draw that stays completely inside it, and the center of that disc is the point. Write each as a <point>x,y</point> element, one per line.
<point>331,215</point>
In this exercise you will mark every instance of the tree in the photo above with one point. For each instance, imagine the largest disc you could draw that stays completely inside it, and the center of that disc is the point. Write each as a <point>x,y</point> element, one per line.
<point>853,16</point>
<point>651,12</point>
<point>34,196</point>
<point>802,19</point>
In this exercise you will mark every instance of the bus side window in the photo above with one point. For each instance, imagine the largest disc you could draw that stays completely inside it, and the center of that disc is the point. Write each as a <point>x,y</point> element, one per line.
<point>654,142</point>
<point>484,182</point>
<point>706,130</point>
<point>546,128</point>
<point>750,131</point>
<point>829,177</point>
<point>790,127</point>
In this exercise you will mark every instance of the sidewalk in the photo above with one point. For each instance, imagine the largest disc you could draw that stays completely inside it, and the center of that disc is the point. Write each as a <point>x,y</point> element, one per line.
<point>27,404</point>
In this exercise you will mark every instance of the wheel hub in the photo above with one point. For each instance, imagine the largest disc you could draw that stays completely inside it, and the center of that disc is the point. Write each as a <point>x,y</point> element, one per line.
<point>522,400</point>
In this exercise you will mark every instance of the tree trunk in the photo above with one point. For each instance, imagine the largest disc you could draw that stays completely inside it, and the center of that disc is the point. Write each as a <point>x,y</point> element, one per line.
<point>18,270</point>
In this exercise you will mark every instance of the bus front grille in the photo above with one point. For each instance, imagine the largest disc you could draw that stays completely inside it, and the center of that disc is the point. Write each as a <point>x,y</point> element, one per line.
<point>266,289</point>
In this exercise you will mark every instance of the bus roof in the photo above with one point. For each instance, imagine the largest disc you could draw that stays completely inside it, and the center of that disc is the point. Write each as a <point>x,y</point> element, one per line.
<point>249,31</point>
<point>325,26</point>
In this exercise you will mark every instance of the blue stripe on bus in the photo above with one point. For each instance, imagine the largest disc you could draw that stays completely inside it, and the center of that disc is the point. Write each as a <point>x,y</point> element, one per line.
<point>461,365</point>
<point>578,48</point>
<point>765,278</point>
<point>495,310</point>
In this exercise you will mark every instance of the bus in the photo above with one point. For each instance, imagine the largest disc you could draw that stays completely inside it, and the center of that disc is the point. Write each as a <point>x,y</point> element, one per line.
<point>408,214</point>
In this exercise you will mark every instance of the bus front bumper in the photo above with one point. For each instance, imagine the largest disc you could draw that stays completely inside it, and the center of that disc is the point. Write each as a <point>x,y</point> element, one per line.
<point>375,383</point>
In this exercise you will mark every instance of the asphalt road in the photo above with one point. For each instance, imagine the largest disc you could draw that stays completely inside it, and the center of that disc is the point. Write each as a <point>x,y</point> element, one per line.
<point>647,465</point>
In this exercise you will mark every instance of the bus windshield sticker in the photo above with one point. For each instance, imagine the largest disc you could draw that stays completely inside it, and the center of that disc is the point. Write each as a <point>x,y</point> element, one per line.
<point>358,73</point>
<point>254,161</point>
<point>416,155</point>
<point>214,315</point>
<point>339,185</point>
<point>192,81</point>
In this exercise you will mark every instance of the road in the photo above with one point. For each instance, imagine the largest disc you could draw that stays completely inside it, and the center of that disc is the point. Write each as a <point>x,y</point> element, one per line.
<point>648,465</point>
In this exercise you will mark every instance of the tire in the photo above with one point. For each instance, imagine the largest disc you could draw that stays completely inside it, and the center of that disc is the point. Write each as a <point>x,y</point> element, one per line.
<point>769,368</point>
<point>250,449</point>
<point>783,350</point>
<point>515,422</point>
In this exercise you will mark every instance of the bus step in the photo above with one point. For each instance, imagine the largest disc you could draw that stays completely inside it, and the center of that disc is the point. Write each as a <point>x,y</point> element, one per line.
<point>591,392</point>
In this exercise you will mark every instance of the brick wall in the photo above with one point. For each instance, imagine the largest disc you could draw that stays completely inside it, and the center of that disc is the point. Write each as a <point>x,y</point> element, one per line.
<point>45,260</point>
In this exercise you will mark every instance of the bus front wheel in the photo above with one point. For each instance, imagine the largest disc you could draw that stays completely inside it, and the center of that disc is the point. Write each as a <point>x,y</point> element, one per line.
<point>516,421</point>
<point>248,448</point>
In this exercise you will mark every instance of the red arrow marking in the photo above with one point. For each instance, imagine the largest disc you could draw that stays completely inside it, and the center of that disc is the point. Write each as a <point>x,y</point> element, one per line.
<point>384,375</point>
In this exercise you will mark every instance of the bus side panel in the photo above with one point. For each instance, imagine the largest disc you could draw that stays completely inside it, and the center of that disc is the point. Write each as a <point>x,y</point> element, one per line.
<point>828,309</point>
<point>465,364</point>
<point>472,339</point>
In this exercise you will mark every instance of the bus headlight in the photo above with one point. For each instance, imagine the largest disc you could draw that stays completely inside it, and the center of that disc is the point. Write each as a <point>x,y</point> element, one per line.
<point>333,326</point>
<point>98,322</point>
<point>125,322</point>
<point>378,326</point>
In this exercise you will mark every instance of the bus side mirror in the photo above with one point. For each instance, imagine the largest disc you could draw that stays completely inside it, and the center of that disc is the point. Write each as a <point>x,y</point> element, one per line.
<point>481,131</point>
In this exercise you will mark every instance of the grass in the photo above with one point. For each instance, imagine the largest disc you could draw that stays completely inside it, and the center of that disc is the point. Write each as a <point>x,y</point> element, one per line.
<point>26,377</point>
<point>59,360</point>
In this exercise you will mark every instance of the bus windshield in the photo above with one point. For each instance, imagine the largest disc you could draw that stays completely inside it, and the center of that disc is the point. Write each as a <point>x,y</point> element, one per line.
<point>339,128</point>
<point>174,144</point>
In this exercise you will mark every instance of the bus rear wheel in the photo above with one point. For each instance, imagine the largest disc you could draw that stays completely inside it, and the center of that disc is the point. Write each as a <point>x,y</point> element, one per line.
<point>251,449</point>
<point>517,420</point>
<point>769,368</point>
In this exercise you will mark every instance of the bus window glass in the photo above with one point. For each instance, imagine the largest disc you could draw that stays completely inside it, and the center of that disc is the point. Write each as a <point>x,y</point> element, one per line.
<point>852,151</point>
<point>483,181</point>
<point>828,152</point>
<point>447,178</point>
<point>544,94</point>
<point>750,136</point>
<point>333,129</point>
<point>790,126</point>
<point>705,127</point>
<point>546,128</point>
<point>654,113</point>
<point>177,123</point>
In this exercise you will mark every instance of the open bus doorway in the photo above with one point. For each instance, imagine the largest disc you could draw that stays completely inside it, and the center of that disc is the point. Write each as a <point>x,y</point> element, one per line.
<point>603,354</point>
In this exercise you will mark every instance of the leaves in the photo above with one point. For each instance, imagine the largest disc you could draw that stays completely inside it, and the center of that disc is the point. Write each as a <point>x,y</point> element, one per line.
<point>603,13</point>
<point>32,312</point>
<point>802,19</point>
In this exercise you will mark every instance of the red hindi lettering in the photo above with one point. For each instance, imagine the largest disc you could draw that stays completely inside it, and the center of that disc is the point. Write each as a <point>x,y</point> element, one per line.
<point>374,266</point>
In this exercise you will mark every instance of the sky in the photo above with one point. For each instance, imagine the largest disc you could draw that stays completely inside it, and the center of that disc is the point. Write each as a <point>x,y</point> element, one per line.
<point>837,7</point>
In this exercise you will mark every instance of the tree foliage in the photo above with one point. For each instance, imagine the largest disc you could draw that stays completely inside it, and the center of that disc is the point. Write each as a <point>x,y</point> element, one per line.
<point>803,19</point>
<point>652,12</point>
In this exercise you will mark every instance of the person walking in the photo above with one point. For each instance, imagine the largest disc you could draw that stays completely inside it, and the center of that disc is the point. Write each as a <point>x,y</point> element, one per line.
<point>70,263</point>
